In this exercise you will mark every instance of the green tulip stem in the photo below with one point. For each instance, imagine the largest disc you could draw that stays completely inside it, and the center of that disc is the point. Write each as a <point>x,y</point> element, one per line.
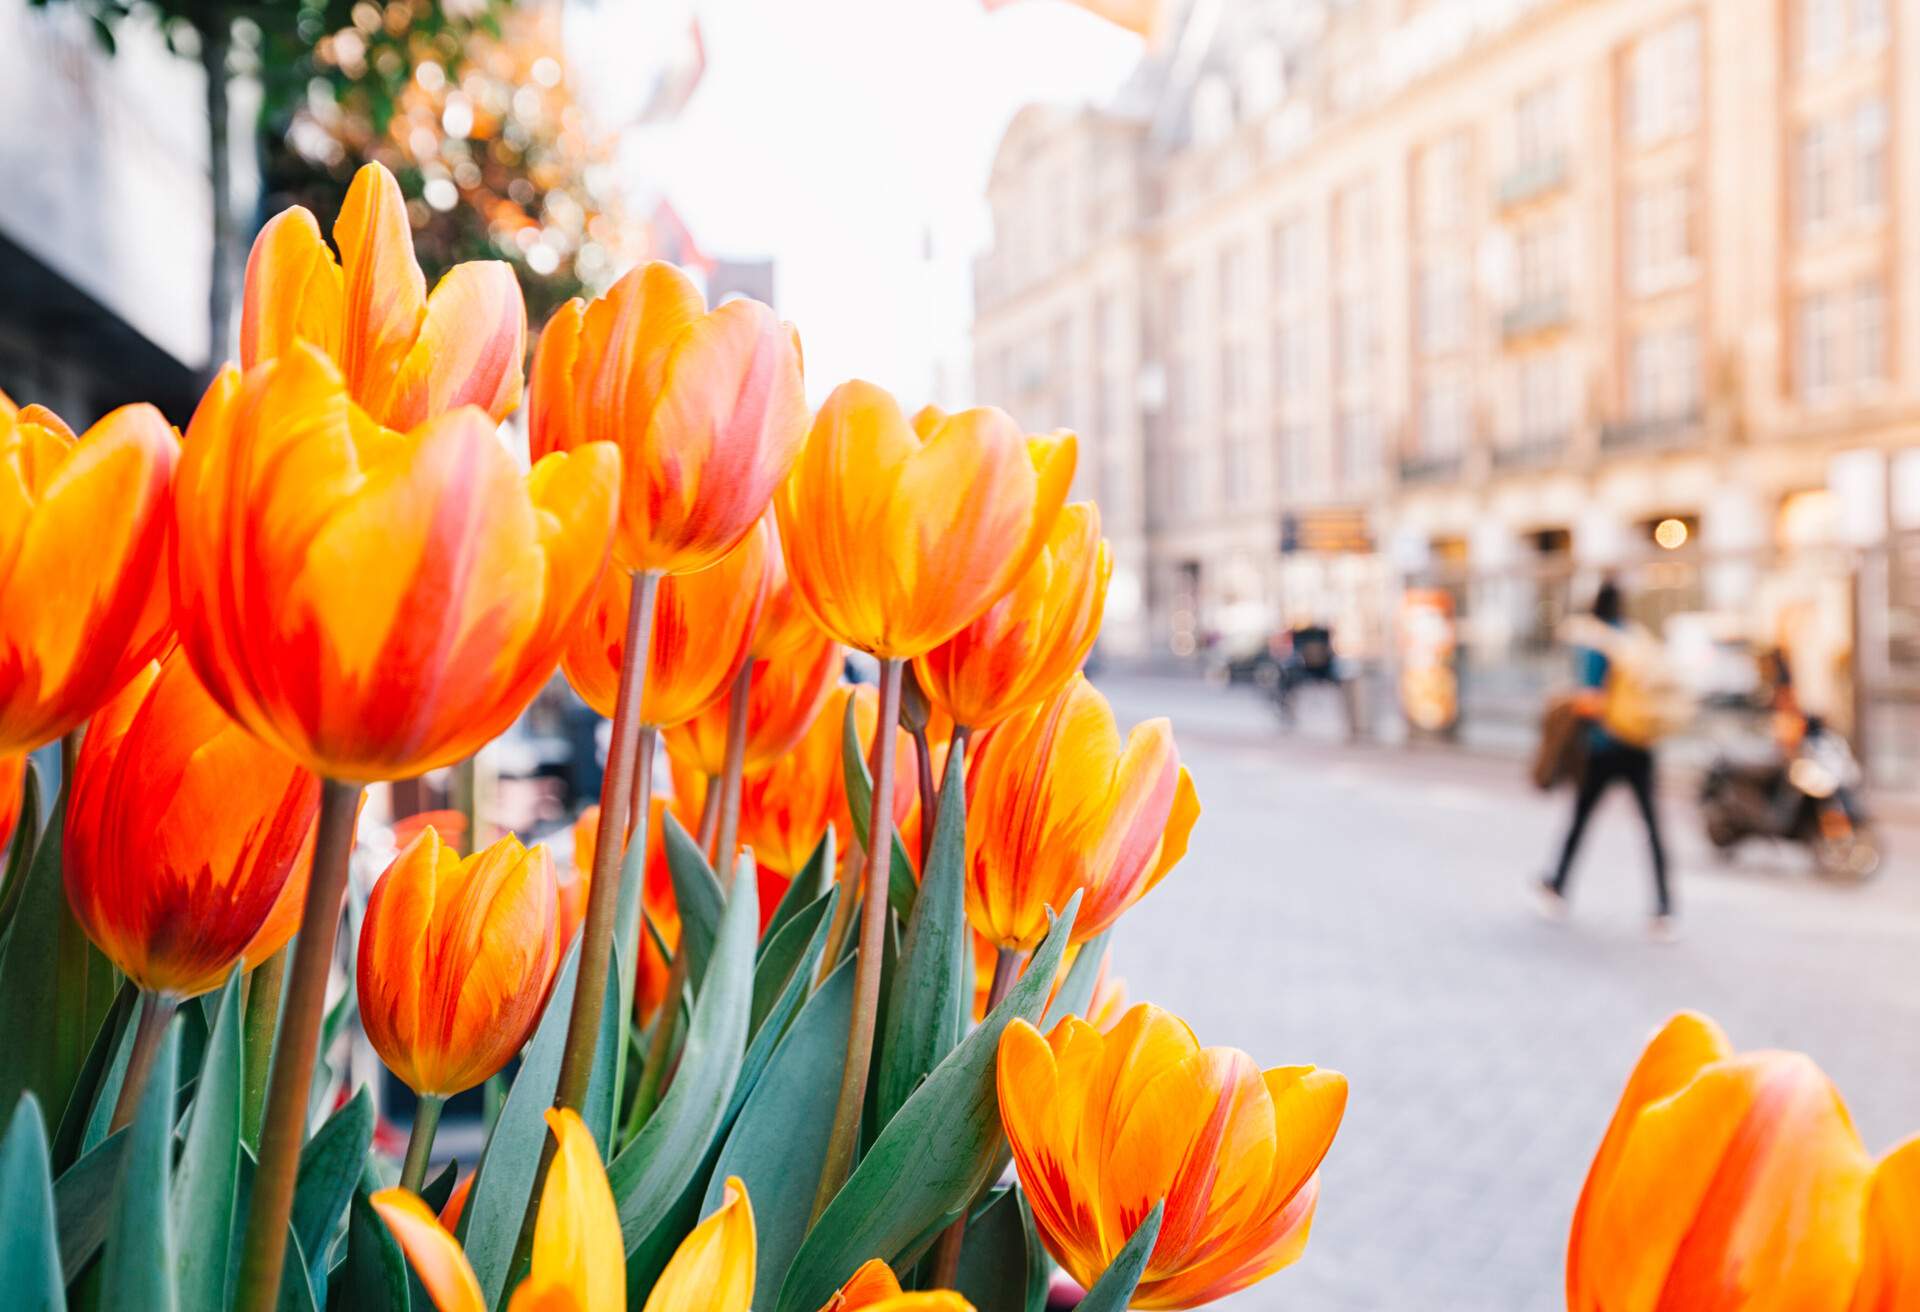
<point>156,1011</point>
<point>426,1121</point>
<point>946,1253</point>
<point>264,987</point>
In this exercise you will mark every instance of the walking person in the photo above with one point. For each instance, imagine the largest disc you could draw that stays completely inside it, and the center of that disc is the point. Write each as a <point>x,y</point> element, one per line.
<point>1627,701</point>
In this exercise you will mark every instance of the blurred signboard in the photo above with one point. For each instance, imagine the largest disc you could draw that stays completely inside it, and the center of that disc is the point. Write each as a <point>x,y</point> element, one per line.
<point>1429,686</point>
<point>1327,531</point>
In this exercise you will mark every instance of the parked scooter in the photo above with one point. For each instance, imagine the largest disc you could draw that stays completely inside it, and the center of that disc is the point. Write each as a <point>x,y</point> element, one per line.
<point>1813,798</point>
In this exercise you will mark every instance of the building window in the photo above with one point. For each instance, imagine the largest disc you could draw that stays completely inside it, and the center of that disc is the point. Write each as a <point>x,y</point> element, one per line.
<point>1539,131</point>
<point>1236,467</point>
<point>1663,375</point>
<point>1446,417</point>
<point>1842,166</point>
<point>1660,235</point>
<point>1544,406</point>
<point>1820,317</point>
<point>1663,83</point>
<point>1870,331</point>
<point>1829,29</point>
<point>1841,341</point>
<point>1292,457</point>
<point>1440,183</point>
<point>1870,156</point>
<point>1290,262</point>
<point>1443,307</point>
<point>1290,343</point>
<point>1541,257</point>
<point>1357,446</point>
<point>1818,176</point>
<point>1182,324</point>
<point>1869,24</point>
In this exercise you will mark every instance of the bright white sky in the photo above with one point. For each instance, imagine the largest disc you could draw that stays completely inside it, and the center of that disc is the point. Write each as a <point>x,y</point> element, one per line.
<point>834,135</point>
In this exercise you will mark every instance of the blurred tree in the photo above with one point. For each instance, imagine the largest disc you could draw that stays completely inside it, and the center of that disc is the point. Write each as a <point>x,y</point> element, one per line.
<point>297,49</point>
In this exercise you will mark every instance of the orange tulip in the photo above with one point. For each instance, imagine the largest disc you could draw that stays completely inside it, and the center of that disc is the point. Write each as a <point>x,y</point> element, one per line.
<point>182,829</point>
<point>374,603</point>
<point>713,1269</point>
<point>1034,638</point>
<point>456,959</point>
<point>1105,1126</point>
<point>407,357</point>
<point>786,807</point>
<point>1104,1009</point>
<point>702,624</point>
<point>1736,1183</point>
<point>785,626</point>
<point>84,601</point>
<point>897,540</point>
<point>579,1262</point>
<point>708,409</point>
<point>787,693</point>
<point>1055,804</point>
<point>13,791</point>
<point>874,1288</point>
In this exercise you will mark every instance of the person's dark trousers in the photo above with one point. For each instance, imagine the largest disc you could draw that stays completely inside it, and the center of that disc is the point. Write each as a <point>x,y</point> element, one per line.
<point>1607,763</point>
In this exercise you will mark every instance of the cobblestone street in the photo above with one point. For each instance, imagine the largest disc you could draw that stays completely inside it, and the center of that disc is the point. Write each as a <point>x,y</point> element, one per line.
<point>1365,909</point>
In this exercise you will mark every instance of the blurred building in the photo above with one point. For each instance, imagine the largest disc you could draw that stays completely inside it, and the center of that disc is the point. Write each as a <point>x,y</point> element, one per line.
<point>105,218</point>
<point>1346,294</point>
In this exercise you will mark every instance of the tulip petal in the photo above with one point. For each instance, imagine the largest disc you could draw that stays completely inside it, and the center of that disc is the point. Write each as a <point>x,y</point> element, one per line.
<point>1890,1273</point>
<point>468,352</point>
<point>713,1269</point>
<point>435,1254</point>
<point>385,293</point>
<point>293,290</point>
<point>579,1260</point>
<point>625,338</point>
<point>872,1283</point>
<point>550,408</point>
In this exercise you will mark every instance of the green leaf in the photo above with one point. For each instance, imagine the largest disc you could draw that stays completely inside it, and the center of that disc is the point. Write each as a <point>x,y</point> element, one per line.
<point>137,1266</point>
<point>1076,990</point>
<point>26,837</point>
<point>55,986</point>
<point>649,1175</point>
<point>374,1276</point>
<point>779,1144</point>
<point>931,999</point>
<point>814,879</point>
<point>1114,1289</point>
<point>83,1200</point>
<point>782,950</point>
<point>109,1049</point>
<point>902,887</point>
<point>296,1292</point>
<point>209,1168</point>
<point>329,1170</point>
<point>29,1250</point>
<point>596,1108</point>
<point>435,1192</point>
<point>1003,1268</point>
<point>100,1115</point>
<point>490,1225</point>
<point>932,1157</point>
<point>697,893</point>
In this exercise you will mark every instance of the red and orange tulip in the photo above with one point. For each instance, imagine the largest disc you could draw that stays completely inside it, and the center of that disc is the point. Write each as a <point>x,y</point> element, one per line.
<point>182,829</point>
<point>874,1288</point>
<point>702,625</point>
<point>1032,640</point>
<point>785,626</point>
<point>13,791</point>
<point>787,693</point>
<point>1103,1126</point>
<point>1056,803</point>
<point>897,539</point>
<point>84,603</point>
<point>456,959</point>
<point>1735,1182</point>
<point>707,407</point>
<point>407,356</point>
<point>375,603</point>
<point>579,1260</point>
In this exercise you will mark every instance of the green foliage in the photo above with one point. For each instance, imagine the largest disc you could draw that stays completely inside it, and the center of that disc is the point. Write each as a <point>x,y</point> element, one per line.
<point>329,1170</point>
<point>902,887</point>
<point>208,1175</point>
<point>26,836</point>
<point>29,1250</point>
<point>1003,1267</point>
<point>137,1266</point>
<point>1113,1291</point>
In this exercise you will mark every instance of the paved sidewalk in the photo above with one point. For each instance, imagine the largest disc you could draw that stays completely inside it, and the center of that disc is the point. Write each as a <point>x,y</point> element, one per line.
<point>1364,908</point>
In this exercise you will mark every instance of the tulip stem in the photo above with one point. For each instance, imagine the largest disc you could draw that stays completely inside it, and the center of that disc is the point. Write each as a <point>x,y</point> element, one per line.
<point>731,770</point>
<point>426,1122</point>
<point>856,862</point>
<point>946,1254</point>
<point>845,1137</point>
<point>290,1084</point>
<point>929,799</point>
<point>264,987</point>
<point>603,892</point>
<point>156,1012</point>
<point>69,757</point>
<point>709,813</point>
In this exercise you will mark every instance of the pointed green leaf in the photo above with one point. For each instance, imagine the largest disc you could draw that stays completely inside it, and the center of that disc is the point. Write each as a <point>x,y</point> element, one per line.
<point>490,1225</point>
<point>329,1169</point>
<point>1076,990</point>
<point>26,836</point>
<point>653,1170</point>
<point>596,1109</point>
<point>137,1266</point>
<point>782,949</point>
<point>29,1252</point>
<point>932,1157</point>
<point>435,1192</point>
<point>1000,1270</point>
<point>931,997</point>
<point>1114,1289</point>
<point>901,885</point>
<point>83,1200</point>
<point>697,894</point>
<point>91,1087</point>
<point>374,1276</point>
<point>779,1144</point>
<point>807,887</point>
<point>100,1115</point>
<point>55,986</point>
<point>209,1169</point>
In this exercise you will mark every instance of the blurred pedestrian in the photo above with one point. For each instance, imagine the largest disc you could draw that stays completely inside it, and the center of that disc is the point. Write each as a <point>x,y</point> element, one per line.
<point>1627,700</point>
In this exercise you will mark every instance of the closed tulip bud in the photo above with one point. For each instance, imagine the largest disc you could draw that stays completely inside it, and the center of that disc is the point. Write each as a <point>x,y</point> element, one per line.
<point>375,603</point>
<point>456,959</point>
<point>874,1288</point>
<point>897,539</point>
<point>13,787</point>
<point>1104,1126</point>
<point>707,407</point>
<point>787,694</point>
<point>1735,1182</point>
<point>182,829</point>
<point>1032,640</point>
<point>1108,1124</point>
<point>406,356</point>
<point>702,625</point>
<point>579,1260</point>
<point>84,601</point>
<point>1056,803</point>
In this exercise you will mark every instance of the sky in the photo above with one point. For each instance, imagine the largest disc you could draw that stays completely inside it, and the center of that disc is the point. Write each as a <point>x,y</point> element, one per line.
<point>846,139</point>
